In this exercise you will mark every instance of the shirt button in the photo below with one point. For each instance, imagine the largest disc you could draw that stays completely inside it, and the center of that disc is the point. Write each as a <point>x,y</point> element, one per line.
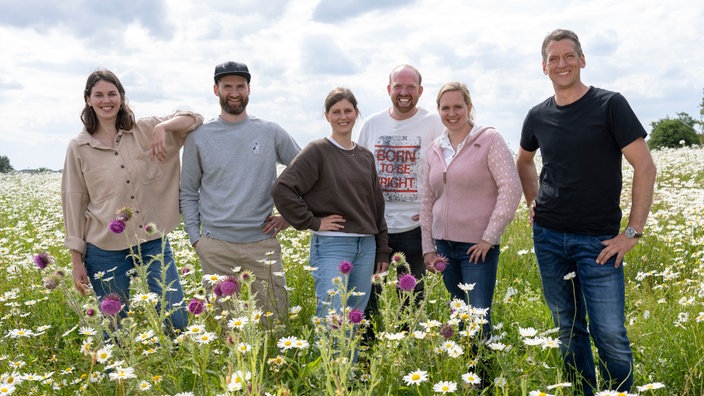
<point>128,182</point>
<point>122,166</point>
<point>115,153</point>
<point>132,197</point>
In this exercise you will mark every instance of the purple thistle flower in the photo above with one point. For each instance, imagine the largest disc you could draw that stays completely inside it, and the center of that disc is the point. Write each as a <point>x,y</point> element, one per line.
<point>377,279</point>
<point>52,281</point>
<point>440,263</point>
<point>196,306</point>
<point>117,226</point>
<point>407,282</point>
<point>124,215</point>
<point>42,260</point>
<point>229,286</point>
<point>90,312</point>
<point>447,331</point>
<point>398,257</point>
<point>345,267</point>
<point>334,321</point>
<point>355,315</point>
<point>111,304</point>
<point>247,277</point>
<point>217,291</point>
<point>150,228</point>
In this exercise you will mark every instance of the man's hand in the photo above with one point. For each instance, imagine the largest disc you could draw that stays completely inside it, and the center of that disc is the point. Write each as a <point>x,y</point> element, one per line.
<point>274,224</point>
<point>531,212</point>
<point>619,246</point>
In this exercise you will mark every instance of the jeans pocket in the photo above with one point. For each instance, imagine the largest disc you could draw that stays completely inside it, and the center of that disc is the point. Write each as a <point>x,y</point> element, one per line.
<point>538,233</point>
<point>597,241</point>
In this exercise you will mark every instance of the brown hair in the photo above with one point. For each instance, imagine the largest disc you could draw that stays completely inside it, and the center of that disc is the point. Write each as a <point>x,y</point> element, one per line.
<point>338,94</point>
<point>125,117</point>
<point>561,34</point>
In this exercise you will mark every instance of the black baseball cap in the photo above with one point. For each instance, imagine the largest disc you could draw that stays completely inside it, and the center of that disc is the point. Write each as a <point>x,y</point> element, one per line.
<point>232,68</point>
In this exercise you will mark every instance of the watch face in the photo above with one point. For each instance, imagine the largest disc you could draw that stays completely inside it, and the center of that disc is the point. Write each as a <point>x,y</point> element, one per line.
<point>632,233</point>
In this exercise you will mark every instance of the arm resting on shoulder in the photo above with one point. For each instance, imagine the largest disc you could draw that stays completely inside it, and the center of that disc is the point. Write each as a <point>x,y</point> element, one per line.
<point>180,122</point>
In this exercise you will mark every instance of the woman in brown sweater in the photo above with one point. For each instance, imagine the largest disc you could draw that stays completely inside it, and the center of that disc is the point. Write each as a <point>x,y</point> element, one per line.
<point>332,189</point>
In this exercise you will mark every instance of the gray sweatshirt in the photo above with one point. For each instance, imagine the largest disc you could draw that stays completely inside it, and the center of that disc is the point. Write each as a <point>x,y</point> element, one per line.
<point>226,178</point>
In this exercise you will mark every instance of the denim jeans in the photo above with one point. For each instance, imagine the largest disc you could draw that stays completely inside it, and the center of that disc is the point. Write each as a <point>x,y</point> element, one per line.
<point>596,291</point>
<point>115,267</point>
<point>326,253</point>
<point>460,270</point>
<point>410,244</point>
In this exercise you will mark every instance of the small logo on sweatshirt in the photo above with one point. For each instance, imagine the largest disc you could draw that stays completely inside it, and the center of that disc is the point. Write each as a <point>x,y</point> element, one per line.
<point>255,148</point>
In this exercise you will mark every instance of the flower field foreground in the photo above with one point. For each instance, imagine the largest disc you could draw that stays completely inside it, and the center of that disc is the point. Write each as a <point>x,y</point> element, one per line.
<point>56,341</point>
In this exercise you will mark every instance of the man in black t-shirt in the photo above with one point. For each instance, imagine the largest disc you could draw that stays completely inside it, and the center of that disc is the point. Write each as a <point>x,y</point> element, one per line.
<point>583,133</point>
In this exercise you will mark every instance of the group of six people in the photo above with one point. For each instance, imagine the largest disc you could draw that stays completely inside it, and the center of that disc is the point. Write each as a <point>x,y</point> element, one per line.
<point>422,183</point>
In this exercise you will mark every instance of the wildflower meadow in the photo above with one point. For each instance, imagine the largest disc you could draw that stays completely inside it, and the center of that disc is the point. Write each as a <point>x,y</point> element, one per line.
<point>55,341</point>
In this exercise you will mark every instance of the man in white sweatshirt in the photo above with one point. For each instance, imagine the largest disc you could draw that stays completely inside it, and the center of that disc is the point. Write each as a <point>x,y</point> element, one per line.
<point>399,138</point>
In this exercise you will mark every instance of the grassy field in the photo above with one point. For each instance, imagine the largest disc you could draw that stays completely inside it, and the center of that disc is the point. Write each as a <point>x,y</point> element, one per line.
<point>53,344</point>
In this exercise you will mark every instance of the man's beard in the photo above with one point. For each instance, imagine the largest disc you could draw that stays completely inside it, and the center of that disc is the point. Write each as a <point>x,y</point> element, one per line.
<point>234,110</point>
<point>404,109</point>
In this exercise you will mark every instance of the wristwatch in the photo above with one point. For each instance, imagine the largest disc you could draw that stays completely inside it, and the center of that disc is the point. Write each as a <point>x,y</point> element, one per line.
<point>632,233</point>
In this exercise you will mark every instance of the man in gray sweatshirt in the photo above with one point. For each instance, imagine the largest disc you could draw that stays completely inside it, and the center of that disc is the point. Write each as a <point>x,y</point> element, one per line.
<point>229,167</point>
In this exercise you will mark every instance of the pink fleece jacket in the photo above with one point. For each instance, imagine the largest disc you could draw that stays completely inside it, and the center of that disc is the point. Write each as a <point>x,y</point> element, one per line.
<point>475,197</point>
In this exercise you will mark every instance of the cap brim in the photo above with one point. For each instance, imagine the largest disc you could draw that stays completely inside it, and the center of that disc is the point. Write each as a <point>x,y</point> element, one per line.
<point>241,74</point>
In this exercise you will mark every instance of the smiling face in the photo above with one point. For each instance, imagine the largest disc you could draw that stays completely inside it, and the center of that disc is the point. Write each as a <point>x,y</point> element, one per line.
<point>342,116</point>
<point>233,92</point>
<point>105,100</point>
<point>454,111</point>
<point>562,64</point>
<point>404,89</point>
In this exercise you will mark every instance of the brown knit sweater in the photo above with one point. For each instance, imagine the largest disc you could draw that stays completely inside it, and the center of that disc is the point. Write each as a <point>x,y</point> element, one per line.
<point>324,180</point>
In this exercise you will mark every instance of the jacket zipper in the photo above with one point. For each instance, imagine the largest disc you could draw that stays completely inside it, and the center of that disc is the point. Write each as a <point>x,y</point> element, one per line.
<point>444,182</point>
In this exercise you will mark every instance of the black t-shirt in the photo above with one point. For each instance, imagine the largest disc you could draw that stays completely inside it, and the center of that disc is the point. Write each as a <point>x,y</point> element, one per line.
<point>580,145</point>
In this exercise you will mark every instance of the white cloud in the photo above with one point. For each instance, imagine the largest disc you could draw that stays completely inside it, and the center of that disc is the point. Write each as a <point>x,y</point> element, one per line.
<point>165,53</point>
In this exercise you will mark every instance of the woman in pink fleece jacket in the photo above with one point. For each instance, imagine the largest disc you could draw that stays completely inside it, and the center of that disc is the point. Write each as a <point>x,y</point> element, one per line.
<point>471,195</point>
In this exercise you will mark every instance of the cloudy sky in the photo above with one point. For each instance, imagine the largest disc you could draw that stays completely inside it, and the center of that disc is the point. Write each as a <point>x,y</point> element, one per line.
<point>165,52</point>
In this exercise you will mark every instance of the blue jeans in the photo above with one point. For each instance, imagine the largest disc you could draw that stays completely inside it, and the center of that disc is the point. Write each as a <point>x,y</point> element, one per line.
<point>460,270</point>
<point>326,253</point>
<point>596,291</point>
<point>98,260</point>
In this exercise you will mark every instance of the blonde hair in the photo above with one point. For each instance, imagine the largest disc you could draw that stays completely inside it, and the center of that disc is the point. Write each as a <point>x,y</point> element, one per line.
<point>458,86</point>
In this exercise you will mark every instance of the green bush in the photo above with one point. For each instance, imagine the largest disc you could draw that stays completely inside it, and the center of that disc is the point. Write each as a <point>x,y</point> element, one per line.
<point>674,132</point>
<point>5,166</point>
